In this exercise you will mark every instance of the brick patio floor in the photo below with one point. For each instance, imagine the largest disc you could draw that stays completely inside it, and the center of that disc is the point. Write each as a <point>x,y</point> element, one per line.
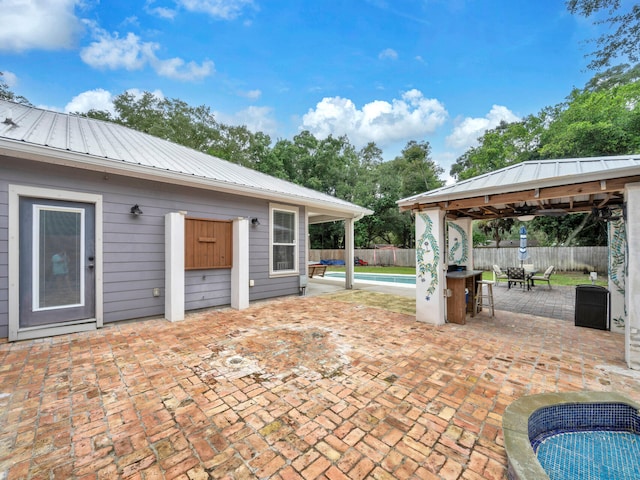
<point>297,388</point>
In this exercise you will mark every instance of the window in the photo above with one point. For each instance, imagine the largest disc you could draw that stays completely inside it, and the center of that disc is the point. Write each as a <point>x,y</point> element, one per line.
<point>283,245</point>
<point>207,244</point>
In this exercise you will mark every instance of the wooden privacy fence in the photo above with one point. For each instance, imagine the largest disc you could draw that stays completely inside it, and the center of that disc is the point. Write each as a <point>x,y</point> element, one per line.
<point>565,259</point>
<point>400,257</point>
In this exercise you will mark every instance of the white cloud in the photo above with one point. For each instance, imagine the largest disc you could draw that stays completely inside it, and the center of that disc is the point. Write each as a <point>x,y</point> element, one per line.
<point>466,133</point>
<point>100,99</point>
<point>112,52</point>
<point>177,69</point>
<point>225,9</point>
<point>137,93</point>
<point>256,119</point>
<point>97,99</point>
<point>251,94</point>
<point>410,117</point>
<point>162,12</point>
<point>109,51</point>
<point>388,54</point>
<point>9,78</point>
<point>47,25</point>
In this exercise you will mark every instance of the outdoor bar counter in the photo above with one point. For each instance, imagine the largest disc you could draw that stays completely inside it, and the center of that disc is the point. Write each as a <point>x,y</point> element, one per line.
<point>457,306</point>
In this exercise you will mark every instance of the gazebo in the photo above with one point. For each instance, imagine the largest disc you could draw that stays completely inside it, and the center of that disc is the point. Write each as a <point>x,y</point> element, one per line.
<point>607,186</point>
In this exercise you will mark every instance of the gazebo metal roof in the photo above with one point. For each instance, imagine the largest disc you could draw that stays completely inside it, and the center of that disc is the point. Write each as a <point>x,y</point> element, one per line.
<point>542,187</point>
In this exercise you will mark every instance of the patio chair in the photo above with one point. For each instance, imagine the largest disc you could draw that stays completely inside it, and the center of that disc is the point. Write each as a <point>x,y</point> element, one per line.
<point>517,275</point>
<point>498,274</point>
<point>545,277</point>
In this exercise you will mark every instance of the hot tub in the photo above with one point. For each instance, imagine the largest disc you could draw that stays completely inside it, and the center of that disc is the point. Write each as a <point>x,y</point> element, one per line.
<point>557,425</point>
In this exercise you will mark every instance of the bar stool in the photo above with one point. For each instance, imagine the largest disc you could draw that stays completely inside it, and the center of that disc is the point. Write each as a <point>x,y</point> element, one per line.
<point>485,299</point>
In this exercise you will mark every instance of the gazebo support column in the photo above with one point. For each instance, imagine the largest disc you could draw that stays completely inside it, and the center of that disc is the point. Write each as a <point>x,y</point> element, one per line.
<point>617,269</point>
<point>430,270</point>
<point>632,290</point>
<point>460,243</point>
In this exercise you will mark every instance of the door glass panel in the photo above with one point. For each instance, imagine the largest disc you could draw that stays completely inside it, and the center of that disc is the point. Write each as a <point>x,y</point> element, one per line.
<point>58,257</point>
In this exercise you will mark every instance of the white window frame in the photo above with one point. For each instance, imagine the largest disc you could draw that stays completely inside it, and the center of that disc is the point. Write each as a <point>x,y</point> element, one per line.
<point>296,244</point>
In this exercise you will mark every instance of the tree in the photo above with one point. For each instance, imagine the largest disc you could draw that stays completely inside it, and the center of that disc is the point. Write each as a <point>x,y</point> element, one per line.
<point>507,144</point>
<point>496,229</point>
<point>417,171</point>
<point>240,145</point>
<point>624,42</point>
<point>619,75</point>
<point>410,173</point>
<point>592,123</point>
<point>7,94</point>
<point>580,229</point>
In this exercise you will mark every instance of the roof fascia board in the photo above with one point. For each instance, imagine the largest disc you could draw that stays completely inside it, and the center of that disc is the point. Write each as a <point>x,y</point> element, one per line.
<point>12,148</point>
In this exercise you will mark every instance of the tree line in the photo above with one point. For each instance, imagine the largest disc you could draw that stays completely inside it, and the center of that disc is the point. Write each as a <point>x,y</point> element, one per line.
<point>602,118</point>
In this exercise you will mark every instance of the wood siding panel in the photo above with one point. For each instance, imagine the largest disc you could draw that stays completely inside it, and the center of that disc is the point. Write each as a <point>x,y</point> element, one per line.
<point>134,245</point>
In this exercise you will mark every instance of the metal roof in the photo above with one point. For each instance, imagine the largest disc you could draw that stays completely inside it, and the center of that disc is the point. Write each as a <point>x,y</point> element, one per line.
<point>572,184</point>
<point>42,135</point>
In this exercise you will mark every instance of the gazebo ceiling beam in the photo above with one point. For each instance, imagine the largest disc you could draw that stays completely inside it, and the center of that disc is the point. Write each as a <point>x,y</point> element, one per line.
<point>598,187</point>
<point>572,206</point>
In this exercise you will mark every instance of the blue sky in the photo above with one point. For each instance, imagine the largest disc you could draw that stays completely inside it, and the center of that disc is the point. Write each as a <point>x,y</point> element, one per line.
<point>387,71</point>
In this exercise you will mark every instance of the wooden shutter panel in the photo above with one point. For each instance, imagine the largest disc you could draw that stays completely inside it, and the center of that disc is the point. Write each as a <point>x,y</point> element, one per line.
<point>207,244</point>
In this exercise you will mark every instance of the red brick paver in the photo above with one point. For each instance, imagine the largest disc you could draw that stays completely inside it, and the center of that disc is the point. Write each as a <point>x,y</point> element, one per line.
<point>300,388</point>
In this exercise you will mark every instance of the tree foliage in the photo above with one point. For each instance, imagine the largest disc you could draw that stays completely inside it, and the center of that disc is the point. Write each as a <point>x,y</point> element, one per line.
<point>624,41</point>
<point>507,144</point>
<point>7,94</point>
<point>603,118</point>
<point>592,123</point>
<point>496,229</point>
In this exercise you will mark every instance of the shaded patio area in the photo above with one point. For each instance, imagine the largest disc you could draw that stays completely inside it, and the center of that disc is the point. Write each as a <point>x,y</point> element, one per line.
<point>297,388</point>
<point>559,302</point>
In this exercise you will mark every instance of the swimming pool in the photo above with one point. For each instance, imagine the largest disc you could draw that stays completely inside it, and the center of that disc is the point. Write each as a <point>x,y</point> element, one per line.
<point>398,279</point>
<point>566,436</point>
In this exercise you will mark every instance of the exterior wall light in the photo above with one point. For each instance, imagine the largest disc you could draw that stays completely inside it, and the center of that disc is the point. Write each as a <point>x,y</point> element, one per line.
<point>255,222</point>
<point>135,210</point>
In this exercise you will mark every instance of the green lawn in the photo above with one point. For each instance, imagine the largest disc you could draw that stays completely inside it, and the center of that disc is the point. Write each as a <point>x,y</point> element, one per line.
<point>558,278</point>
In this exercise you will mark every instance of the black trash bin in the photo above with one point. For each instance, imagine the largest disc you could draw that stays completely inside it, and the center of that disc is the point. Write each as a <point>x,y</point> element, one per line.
<point>592,307</point>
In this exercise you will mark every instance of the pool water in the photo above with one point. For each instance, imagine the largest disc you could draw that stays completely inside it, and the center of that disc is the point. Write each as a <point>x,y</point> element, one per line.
<point>377,277</point>
<point>593,455</point>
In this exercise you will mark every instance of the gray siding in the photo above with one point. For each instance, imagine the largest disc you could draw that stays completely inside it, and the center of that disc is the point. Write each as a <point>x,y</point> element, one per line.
<point>133,247</point>
<point>206,288</point>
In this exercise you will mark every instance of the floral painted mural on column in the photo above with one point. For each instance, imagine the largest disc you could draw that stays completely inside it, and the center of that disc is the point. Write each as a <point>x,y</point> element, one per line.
<point>428,258</point>
<point>458,244</point>
<point>618,272</point>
